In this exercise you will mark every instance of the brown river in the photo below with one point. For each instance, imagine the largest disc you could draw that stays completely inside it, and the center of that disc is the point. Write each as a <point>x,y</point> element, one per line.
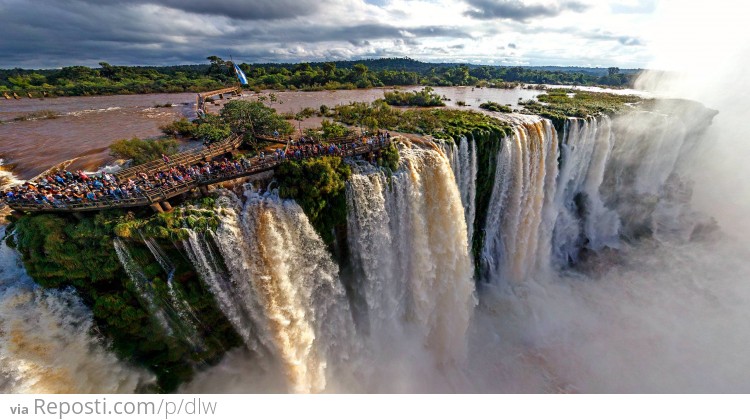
<point>86,126</point>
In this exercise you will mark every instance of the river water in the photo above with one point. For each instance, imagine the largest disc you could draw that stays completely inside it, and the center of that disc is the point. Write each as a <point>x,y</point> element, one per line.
<point>86,126</point>
<point>83,130</point>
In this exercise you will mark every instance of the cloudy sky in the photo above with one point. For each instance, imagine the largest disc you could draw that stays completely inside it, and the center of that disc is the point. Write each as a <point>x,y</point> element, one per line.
<point>53,33</point>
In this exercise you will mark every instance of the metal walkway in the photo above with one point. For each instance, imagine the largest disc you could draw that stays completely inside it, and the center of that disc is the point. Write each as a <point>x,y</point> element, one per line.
<point>155,196</point>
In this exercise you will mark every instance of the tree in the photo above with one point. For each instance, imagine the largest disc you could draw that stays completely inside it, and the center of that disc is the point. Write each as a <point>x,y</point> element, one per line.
<point>329,68</point>
<point>211,133</point>
<point>613,70</point>
<point>360,69</point>
<point>254,117</point>
<point>218,67</point>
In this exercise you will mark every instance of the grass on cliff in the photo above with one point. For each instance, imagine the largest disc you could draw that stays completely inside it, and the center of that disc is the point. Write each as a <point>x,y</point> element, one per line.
<point>439,123</point>
<point>559,104</point>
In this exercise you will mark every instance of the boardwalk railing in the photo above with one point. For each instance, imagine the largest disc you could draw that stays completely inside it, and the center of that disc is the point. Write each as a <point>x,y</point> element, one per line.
<point>188,157</point>
<point>160,194</point>
<point>201,104</point>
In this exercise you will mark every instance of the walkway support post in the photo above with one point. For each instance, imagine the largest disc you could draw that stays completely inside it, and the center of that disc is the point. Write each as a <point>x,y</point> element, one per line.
<point>166,206</point>
<point>157,208</point>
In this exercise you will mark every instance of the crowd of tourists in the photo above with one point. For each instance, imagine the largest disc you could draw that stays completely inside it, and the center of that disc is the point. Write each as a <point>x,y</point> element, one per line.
<point>63,188</point>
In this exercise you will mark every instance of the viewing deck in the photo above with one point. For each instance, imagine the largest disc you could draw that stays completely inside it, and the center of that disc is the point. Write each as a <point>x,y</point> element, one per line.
<point>188,157</point>
<point>157,198</point>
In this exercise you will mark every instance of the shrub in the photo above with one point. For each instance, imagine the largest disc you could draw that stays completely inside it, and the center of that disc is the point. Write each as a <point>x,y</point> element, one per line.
<point>424,97</point>
<point>495,107</point>
<point>182,127</point>
<point>141,151</point>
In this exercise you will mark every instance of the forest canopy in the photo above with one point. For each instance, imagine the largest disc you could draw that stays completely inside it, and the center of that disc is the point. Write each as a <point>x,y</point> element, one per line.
<point>108,79</point>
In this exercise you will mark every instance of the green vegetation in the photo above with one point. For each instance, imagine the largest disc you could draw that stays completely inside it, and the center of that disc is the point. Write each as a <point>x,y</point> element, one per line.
<point>327,131</point>
<point>254,118</point>
<point>110,80</point>
<point>495,107</point>
<point>319,187</point>
<point>60,252</point>
<point>142,151</point>
<point>559,104</point>
<point>389,158</point>
<point>247,118</point>
<point>182,128</point>
<point>488,141</point>
<point>332,130</point>
<point>169,226</point>
<point>439,123</point>
<point>424,98</point>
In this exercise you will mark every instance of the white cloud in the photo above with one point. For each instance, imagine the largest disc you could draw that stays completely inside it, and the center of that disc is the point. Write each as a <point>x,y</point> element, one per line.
<point>53,33</point>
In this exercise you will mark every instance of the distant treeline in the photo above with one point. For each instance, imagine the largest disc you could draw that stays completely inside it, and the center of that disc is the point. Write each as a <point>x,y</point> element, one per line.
<point>109,79</point>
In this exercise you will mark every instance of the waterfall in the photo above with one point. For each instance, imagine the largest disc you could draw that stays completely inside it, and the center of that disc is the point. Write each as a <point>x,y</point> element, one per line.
<point>616,178</point>
<point>517,222</point>
<point>463,161</point>
<point>582,217</point>
<point>206,264</point>
<point>47,345</point>
<point>408,241</point>
<point>160,256</point>
<point>181,307</point>
<point>143,287</point>
<point>288,284</point>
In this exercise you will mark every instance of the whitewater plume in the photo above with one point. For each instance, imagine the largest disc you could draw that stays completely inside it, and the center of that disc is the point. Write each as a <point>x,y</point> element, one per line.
<point>582,218</point>
<point>47,344</point>
<point>408,241</point>
<point>288,284</point>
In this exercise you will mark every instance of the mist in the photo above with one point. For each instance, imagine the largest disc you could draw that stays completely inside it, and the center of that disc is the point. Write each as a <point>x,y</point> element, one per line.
<point>662,315</point>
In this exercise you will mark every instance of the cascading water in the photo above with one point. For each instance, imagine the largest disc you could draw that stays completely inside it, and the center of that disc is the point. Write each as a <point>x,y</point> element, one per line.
<point>463,159</point>
<point>142,285</point>
<point>288,284</point>
<point>47,346</point>
<point>410,279</point>
<point>187,316</point>
<point>407,236</point>
<point>206,263</point>
<point>160,257</point>
<point>615,178</point>
<point>521,196</point>
<point>582,218</point>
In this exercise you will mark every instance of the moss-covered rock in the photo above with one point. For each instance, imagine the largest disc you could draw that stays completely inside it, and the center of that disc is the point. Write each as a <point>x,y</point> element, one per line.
<point>61,252</point>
